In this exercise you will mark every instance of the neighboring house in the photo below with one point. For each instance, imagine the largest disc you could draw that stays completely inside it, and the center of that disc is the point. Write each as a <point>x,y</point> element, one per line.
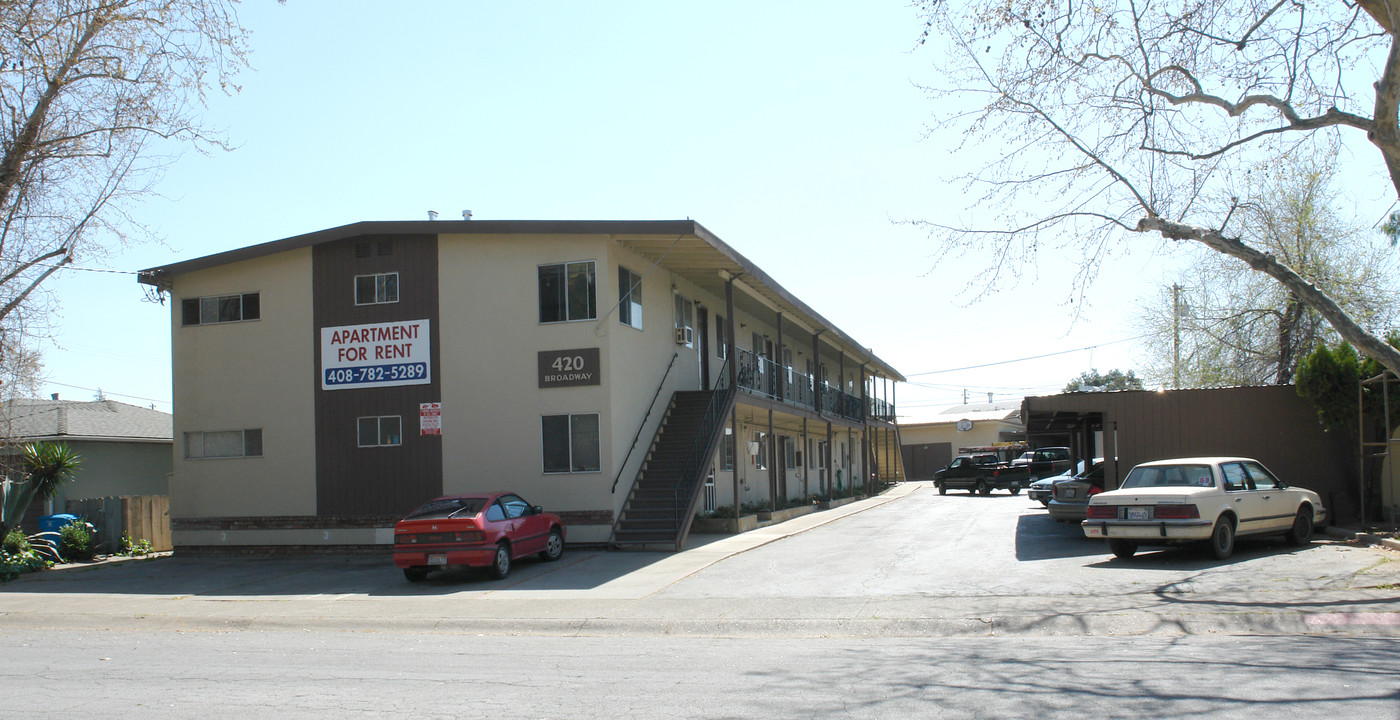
<point>125,449</point>
<point>623,374</point>
<point>930,442</point>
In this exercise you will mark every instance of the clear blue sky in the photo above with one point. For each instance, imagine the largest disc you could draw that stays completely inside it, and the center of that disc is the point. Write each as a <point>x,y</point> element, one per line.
<point>793,130</point>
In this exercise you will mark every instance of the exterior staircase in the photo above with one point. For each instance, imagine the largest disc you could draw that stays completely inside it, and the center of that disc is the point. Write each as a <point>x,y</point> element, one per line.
<point>662,501</point>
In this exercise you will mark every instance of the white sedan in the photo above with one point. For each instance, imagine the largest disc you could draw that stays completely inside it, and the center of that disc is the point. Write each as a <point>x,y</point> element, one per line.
<point>1207,499</point>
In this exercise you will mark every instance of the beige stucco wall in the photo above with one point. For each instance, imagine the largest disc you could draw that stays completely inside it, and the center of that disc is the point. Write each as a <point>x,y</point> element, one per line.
<point>983,432</point>
<point>251,374</point>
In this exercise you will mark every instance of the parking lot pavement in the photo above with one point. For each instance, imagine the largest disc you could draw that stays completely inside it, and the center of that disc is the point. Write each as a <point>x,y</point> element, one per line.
<point>907,563</point>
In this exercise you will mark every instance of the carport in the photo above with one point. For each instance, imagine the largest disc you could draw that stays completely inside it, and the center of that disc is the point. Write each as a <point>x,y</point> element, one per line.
<point>1272,424</point>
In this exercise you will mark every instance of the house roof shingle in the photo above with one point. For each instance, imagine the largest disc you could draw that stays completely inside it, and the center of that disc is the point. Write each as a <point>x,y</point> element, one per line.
<point>34,419</point>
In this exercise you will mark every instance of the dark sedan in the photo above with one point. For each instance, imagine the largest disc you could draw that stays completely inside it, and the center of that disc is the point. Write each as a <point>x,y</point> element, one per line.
<point>1071,496</point>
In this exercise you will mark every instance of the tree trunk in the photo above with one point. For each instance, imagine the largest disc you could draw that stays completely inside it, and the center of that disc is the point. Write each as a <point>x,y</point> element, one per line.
<point>1365,342</point>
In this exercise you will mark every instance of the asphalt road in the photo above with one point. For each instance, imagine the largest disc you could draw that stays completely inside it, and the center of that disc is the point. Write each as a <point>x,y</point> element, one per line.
<point>143,674</point>
<point>912,604</point>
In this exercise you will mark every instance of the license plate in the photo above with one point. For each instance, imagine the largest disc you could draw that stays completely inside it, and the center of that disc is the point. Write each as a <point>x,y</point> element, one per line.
<point>1138,513</point>
<point>1070,492</point>
<point>437,559</point>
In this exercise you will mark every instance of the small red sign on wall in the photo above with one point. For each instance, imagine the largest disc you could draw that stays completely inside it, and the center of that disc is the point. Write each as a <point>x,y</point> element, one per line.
<point>430,418</point>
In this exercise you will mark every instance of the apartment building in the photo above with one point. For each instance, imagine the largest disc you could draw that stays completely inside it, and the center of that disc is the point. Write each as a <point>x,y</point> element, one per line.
<point>624,374</point>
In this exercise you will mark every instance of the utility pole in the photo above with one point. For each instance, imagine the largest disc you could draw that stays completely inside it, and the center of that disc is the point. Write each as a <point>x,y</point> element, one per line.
<point>1176,336</point>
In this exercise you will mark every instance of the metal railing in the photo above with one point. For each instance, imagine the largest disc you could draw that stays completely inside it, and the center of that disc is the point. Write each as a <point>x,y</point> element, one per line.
<point>701,450</point>
<point>643,425</point>
<point>881,409</point>
<point>762,376</point>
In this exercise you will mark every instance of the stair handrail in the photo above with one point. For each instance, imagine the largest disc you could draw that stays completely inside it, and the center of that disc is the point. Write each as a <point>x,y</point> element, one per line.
<point>623,466</point>
<point>700,450</point>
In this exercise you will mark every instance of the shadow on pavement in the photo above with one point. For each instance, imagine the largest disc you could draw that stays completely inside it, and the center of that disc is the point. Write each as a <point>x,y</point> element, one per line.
<point>321,575</point>
<point>1041,537</point>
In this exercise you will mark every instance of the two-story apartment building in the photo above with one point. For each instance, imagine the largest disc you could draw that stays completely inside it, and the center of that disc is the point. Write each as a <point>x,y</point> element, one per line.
<point>623,374</point>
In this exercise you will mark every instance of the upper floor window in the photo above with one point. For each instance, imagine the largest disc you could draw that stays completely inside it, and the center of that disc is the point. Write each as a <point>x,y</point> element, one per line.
<point>685,321</point>
<point>223,444</point>
<point>220,309</point>
<point>377,289</point>
<point>629,294</point>
<point>568,292</point>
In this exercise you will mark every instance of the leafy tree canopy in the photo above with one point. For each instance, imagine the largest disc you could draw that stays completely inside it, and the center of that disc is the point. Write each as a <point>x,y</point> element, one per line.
<point>1112,380</point>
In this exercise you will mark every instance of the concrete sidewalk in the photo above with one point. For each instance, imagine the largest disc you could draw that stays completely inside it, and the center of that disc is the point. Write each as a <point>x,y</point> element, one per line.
<point>618,594</point>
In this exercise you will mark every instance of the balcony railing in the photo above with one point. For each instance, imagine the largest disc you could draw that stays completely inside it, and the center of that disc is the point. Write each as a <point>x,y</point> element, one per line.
<point>881,409</point>
<point>761,376</point>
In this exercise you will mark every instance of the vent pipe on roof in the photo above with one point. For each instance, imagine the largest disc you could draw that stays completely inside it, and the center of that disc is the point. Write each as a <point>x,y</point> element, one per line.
<point>466,214</point>
<point>53,396</point>
<point>432,214</point>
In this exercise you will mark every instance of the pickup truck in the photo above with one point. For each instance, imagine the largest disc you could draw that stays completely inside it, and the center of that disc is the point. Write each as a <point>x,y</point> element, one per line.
<point>979,474</point>
<point>1047,461</point>
<point>982,473</point>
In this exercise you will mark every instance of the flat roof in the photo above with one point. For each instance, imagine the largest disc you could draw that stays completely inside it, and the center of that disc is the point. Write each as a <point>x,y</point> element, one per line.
<point>684,247</point>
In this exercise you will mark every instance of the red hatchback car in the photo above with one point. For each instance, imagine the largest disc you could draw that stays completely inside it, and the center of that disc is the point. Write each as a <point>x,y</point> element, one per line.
<point>487,530</point>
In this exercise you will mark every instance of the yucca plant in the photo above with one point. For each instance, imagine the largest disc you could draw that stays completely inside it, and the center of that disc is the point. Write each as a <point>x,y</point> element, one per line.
<point>46,467</point>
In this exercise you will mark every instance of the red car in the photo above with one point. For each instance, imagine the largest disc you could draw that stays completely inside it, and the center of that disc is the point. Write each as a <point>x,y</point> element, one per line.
<point>485,530</point>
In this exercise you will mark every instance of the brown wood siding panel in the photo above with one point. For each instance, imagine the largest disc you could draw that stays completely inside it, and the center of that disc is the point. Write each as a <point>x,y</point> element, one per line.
<point>383,481</point>
<point>1271,424</point>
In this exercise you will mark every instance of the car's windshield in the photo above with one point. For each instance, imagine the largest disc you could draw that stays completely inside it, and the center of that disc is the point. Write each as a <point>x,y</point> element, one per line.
<point>448,507</point>
<point>1170,476</point>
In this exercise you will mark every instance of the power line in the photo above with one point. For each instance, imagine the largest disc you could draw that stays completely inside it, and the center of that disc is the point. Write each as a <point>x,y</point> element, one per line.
<point>1024,359</point>
<point>107,392</point>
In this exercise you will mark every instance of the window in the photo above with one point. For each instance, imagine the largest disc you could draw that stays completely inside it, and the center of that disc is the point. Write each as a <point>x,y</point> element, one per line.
<point>721,339</point>
<point>567,292</point>
<point>685,321</point>
<point>220,309</point>
<point>760,449</point>
<point>727,461</point>
<point>376,289</point>
<point>1235,477</point>
<point>515,506</point>
<point>570,443</point>
<point>1262,479</point>
<point>381,431</point>
<point>224,444</point>
<point>629,297</point>
<point>789,446</point>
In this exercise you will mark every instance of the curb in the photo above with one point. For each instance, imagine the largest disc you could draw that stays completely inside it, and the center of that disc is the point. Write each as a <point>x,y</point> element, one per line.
<point>1363,537</point>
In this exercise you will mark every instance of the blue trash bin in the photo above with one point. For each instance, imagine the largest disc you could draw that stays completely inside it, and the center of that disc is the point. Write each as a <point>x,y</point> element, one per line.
<point>54,523</point>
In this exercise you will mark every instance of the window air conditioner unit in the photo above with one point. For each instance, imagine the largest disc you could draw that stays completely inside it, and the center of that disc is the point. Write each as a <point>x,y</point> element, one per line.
<point>680,336</point>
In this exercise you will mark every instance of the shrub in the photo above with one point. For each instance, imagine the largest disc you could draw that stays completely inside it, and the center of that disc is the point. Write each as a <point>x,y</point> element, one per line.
<point>135,548</point>
<point>75,541</point>
<point>18,556</point>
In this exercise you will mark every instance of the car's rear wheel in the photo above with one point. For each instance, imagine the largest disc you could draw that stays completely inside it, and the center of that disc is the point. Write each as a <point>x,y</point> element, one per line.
<point>500,564</point>
<point>1301,532</point>
<point>983,488</point>
<point>415,574</point>
<point>1122,548</point>
<point>942,489</point>
<point>553,547</point>
<point>1222,539</point>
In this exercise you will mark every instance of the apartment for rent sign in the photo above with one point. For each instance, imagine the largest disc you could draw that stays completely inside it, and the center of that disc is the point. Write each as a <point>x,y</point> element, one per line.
<point>378,355</point>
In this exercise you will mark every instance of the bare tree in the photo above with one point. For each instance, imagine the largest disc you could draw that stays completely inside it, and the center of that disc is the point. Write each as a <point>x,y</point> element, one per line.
<point>95,95</point>
<point>1217,326</point>
<point>1134,117</point>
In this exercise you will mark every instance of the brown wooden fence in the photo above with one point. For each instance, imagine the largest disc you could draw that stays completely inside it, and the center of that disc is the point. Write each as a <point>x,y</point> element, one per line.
<point>139,517</point>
